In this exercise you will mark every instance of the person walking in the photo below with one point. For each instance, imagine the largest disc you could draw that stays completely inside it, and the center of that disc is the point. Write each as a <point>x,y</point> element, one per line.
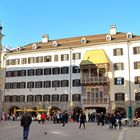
<point>63,118</point>
<point>82,120</point>
<point>26,120</point>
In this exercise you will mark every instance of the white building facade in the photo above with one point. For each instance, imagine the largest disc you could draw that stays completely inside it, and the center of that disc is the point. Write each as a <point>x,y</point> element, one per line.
<point>96,73</point>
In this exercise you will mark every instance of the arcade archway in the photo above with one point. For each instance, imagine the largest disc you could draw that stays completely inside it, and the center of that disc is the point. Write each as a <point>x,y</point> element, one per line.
<point>53,110</point>
<point>121,110</point>
<point>76,113</point>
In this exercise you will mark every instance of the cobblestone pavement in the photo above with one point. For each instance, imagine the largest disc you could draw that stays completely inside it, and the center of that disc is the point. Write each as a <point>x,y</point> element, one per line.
<point>10,130</point>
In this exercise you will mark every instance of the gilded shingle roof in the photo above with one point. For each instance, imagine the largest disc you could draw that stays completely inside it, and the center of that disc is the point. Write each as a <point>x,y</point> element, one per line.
<point>76,41</point>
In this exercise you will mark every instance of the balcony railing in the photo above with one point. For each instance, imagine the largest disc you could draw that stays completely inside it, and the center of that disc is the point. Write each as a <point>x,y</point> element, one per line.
<point>94,79</point>
<point>96,101</point>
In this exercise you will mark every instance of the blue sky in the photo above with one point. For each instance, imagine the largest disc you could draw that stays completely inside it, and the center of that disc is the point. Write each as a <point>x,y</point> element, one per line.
<point>25,21</point>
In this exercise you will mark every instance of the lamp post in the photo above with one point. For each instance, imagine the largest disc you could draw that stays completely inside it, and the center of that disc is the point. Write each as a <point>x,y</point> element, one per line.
<point>130,114</point>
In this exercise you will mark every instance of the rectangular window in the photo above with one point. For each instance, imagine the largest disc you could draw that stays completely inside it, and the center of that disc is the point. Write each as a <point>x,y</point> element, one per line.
<point>55,58</point>
<point>7,62</point>
<point>7,99</point>
<point>64,57</point>
<point>30,85</point>
<point>17,98</point>
<point>22,85</point>
<point>46,98</point>
<point>31,60</point>
<point>47,84</point>
<point>76,69</point>
<point>118,52</point>
<point>12,62</point>
<point>56,70</point>
<point>22,98</point>
<point>31,72</point>
<point>137,65</point>
<point>55,98</point>
<point>119,81</point>
<point>38,84</point>
<point>10,98</point>
<point>47,58</point>
<point>15,85</point>
<point>64,70</point>
<point>14,98</point>
<point>64,83</point>
<point>118,66</point>
<point>8,85</point>
<point>47,71</point>
<point>23,60</point>
<point>119,97</point>
<point>30,98</point>
<point>76,97</point>
<point>136,50</point>
<point>15,73</point>
<point>55,83</point>
<point>76,83</point>
<point>39,59</point>
<point>39,71</point>
<point>8,73</point>
<point>38,98</point>
<point>64,98</point>
<point>137,80</point>
<point>17,61</point>
<point>76,56</point>
<point>22,73</point>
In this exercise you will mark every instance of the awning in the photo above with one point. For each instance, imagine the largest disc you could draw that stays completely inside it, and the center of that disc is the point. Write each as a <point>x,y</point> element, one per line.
<point>30,110</point>
<point>94,57</point>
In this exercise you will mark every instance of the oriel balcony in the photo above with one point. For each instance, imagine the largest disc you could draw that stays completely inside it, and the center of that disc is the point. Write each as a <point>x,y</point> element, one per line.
<point>95,80</point>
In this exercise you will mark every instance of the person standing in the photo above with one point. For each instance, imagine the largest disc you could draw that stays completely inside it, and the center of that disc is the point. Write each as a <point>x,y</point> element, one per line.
<point>43,117</point>
<point>26,120</point>
<point>82,120</point>
<point>39,118</point>
<point>102,118</point>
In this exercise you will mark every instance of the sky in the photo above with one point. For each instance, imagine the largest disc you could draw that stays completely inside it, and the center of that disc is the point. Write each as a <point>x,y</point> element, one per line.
<point>25,21</point>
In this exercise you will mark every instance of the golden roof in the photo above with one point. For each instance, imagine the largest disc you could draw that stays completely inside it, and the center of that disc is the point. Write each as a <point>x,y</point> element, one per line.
<point>94,57</point>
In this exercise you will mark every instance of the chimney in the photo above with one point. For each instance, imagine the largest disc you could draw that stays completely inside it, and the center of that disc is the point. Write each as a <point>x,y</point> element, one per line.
<point>45,38</point>
<point>113,29</point>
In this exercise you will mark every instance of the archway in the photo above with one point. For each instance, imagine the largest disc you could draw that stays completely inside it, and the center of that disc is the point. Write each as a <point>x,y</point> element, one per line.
<point>121,110</point>
<point>96,109</point>
<point>53,110</point>
<point>137,112</point>
<point>12,110</point>
<point>76,113</point>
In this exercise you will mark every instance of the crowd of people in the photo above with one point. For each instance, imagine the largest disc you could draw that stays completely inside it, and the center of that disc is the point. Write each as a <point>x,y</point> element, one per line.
<point>113,120</point>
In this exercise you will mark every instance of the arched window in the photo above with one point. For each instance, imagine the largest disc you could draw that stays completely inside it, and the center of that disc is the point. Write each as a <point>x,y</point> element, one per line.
<point>102,72</point>
<point>119,97</point>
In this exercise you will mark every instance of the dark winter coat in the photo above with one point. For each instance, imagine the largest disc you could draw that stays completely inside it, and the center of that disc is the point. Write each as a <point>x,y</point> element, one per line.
<point>26,120</point>
<point>82,118</point>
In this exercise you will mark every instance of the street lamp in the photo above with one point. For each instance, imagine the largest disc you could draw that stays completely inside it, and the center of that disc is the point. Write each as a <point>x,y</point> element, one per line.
<point>130,114</point>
